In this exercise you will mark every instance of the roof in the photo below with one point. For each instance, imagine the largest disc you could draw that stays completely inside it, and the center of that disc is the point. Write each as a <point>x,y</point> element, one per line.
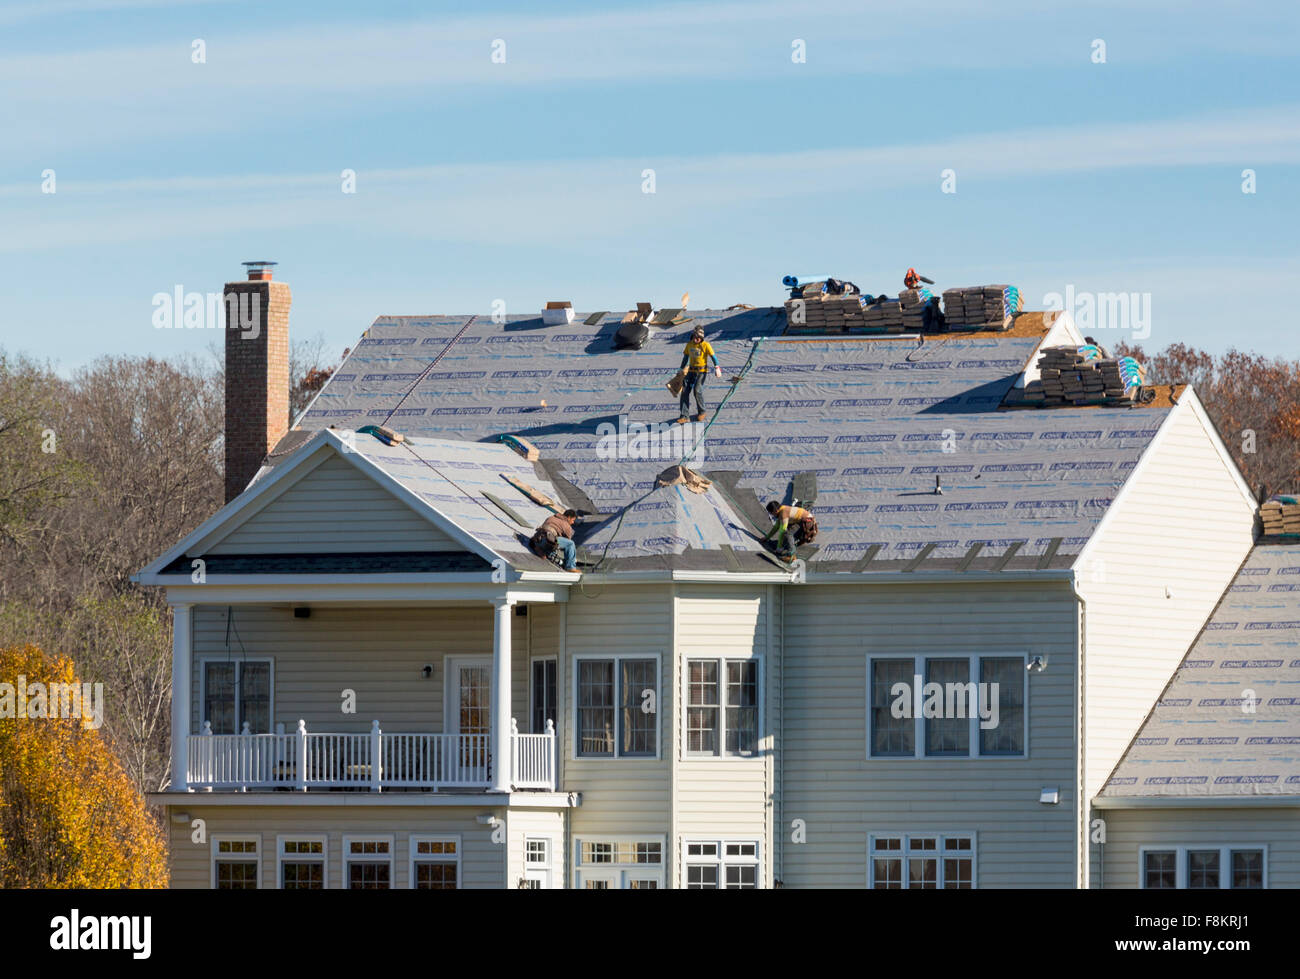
<point>876,419</point>
<point>1228,723</point>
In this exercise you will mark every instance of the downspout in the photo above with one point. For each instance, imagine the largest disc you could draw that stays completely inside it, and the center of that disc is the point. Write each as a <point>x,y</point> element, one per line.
<point>1083,868</point>
<point>778,749</point>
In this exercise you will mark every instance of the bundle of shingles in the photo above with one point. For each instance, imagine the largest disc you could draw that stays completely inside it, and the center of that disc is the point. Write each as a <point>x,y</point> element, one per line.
<point>1084,375</point>
<point>826,307</point>
<point>920,310</point>
<point>981,307</point>
<point>884,315</point>
<point>1281,516</point>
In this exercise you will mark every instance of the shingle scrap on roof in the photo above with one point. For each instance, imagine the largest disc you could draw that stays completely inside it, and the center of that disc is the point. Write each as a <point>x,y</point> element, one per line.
<point>1228,724</point>
<point>876,419</point>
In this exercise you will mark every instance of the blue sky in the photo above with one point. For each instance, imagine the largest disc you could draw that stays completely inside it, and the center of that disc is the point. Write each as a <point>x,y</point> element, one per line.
<point>522,180</point>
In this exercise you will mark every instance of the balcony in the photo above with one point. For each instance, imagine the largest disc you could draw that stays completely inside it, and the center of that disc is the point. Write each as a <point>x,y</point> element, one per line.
<point>368,762</point>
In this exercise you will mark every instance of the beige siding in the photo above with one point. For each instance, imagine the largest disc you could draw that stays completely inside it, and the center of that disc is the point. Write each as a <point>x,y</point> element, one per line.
<point>841,796</point>
<point>483,862</point>
<point>619,795</point>
<point>335,507</point>
<point>1182,525</point>
<point>547,824</point>
<point>1129,830</point>
<point>723,798</point>
<point>378,653</point>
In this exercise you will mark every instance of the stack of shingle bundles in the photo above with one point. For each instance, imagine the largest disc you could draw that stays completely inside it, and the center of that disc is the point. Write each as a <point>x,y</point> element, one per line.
<point>882,315</point>
<point>1281,515</point>
<point>981,307</point>
<point>920,310</point>
<point>1080,375</point>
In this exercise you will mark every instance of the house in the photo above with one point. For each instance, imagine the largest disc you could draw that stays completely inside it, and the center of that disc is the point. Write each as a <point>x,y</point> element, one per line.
<point>380,685</point>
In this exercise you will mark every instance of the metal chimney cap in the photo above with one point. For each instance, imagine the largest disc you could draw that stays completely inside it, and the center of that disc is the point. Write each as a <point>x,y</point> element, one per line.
<point>259,271</point>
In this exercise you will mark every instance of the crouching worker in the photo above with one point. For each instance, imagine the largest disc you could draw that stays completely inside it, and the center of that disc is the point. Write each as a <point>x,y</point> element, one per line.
<point>556,534</point>
<point>787,537</point>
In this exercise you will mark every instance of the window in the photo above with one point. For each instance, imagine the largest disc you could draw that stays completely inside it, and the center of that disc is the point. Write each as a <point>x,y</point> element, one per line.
<point>968,706</point>
<point>722,707</point>
<point>236,692</point>
<point>435,863</point>
<point>617,707</point>
<point>1203,867</point>
<point>721,864</point>
<point>623,863</point>
<point>930,861</point>
<point>236,863</point>
<point>543,694</point>
<point>302,862</point>
<point>368,863</point>
<point>537,863</point>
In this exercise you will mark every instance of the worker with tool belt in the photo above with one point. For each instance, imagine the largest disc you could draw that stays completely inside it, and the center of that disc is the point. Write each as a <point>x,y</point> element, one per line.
<point>556,532</point>
<point>695,363</point>
<point>783,516</point>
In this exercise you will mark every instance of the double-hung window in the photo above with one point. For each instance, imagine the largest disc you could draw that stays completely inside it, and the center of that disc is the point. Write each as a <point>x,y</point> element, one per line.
<point>236,863</point>
<point>237,692</point>
<point>542,694</point>
<point>1204,867</point>
<point>302,863</point>
<point>368,863</point>
<point>947,706</point>
<point>722,707</point>
<point>722,864</point>
<point>617,702</point>
<point>922,861</point>
<point>435,863</point>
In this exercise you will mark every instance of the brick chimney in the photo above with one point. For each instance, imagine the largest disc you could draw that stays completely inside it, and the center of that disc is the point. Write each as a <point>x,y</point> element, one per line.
<point>257,372</point>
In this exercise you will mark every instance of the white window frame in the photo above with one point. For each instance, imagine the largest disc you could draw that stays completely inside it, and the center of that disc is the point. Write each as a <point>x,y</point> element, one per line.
<point>619,874</point>
<point>217,856</point>
<point>722,861</point>
<point>939,852</point>
<point>1181,850</point>
<point>532,704</point>
<point>918,735</point>
<point>576,713</point>
<point>683,700</point>
<point>281,858</point>
<point>416,858</point>
<point>237,662</point>
<point>542,872</point>
<point>345,881</point>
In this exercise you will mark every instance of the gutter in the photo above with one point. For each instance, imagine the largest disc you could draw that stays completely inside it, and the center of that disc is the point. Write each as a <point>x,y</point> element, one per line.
<point>825,577</point>
<point>1195,802</point>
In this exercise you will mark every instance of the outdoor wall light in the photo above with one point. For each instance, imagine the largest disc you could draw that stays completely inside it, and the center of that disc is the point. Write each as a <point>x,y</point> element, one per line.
<point>302,612</point>
<point>1036,664</point>
<point>427,672</point>
<point>1049,796</point>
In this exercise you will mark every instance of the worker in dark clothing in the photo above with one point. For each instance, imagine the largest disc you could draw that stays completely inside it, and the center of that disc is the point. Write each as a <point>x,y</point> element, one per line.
<point>556,532</point>
<point>787,537</point>
<point>695,360</point>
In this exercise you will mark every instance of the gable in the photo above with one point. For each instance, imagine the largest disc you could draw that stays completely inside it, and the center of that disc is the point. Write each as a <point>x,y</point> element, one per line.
<point>334,508</point>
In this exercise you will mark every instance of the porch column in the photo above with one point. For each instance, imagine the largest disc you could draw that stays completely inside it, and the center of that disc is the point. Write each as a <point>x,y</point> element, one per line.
<point>182,655</point>
<point>502,759</point>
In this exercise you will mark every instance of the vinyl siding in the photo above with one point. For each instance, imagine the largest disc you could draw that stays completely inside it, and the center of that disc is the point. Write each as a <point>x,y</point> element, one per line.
<point>524,823</point>
<point>334,507</point>
<point>723,798</point>
<point>378,653</point>
<point>1184,525</point>
<point>1129,830</point>
<point>619,795</point>
<point>841,796</point>
<point>482,861</point>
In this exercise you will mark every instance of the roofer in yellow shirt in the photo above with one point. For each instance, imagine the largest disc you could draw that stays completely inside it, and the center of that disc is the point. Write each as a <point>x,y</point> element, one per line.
<point>805,528</point>
<point>695,360</point>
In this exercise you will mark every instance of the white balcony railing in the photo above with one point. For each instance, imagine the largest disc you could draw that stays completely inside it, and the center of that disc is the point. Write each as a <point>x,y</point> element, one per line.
<point>375,761</point>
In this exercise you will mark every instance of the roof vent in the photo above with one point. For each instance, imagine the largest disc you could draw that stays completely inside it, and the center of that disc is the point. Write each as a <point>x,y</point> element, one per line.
<point>558,313</point>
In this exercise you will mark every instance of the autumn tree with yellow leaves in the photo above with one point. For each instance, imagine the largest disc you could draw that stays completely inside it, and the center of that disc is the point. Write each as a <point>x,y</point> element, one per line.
<point>69,815</point>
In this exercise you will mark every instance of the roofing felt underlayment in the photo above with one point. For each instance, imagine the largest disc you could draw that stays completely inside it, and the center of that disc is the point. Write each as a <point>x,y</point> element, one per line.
<point>1228,724</point>
<point>877,421</point>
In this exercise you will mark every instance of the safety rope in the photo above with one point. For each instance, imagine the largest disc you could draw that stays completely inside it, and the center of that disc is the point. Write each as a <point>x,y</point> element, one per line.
<point>425,373</point>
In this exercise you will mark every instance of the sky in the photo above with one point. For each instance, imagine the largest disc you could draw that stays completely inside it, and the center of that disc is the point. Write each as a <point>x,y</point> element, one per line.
<point>499,151</point>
